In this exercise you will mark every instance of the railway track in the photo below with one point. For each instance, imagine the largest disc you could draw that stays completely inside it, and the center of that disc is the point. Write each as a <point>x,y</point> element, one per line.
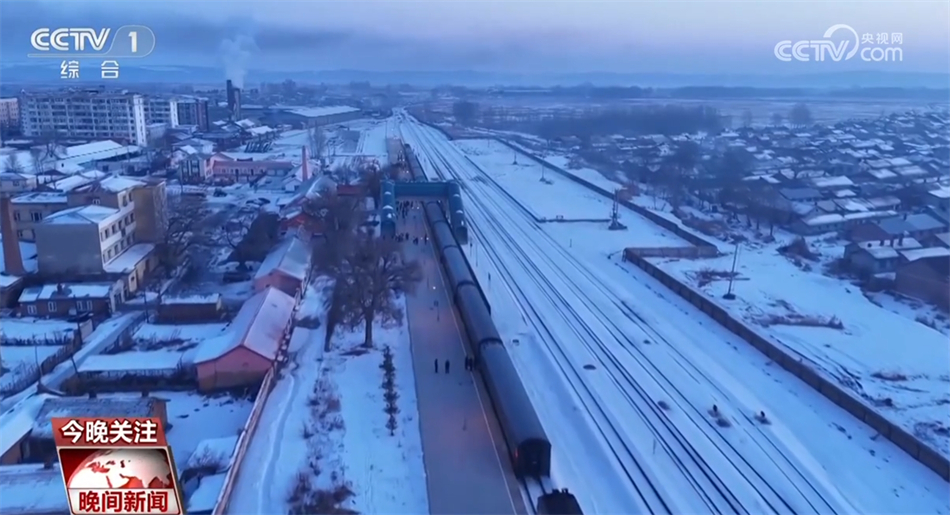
<point>755,494</point>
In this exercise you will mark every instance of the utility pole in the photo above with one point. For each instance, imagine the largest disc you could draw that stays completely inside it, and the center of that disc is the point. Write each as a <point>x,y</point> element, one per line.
<point>732,275</point>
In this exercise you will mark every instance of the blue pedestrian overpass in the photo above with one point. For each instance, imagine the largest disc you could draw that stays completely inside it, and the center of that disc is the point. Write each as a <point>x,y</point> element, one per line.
<point>447,193</point>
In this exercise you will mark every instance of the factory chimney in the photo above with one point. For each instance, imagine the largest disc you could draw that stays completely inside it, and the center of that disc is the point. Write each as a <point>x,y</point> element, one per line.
<point>11,244</point>
<point>305,166</point>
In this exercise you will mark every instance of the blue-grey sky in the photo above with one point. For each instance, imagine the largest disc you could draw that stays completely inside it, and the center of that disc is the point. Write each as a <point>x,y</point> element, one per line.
<point>512,36</point>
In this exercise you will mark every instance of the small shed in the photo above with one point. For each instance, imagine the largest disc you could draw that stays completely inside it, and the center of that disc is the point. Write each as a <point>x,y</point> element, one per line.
<point>287,267</point>
<point>190,309</point>
<point>248,348</point>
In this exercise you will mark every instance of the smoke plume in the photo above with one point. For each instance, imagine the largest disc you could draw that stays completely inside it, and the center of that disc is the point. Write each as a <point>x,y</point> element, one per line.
<point>237,52</point>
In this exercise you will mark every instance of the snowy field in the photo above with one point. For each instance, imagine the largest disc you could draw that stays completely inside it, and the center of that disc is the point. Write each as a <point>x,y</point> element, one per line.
<point>101,339</point>
<point>151,336</point>
<point>19,362</point>
<point>559,197</point>
<point>599,345</point>
<point>36,330</point>
<point>323,427</point>
<point>892,361</point>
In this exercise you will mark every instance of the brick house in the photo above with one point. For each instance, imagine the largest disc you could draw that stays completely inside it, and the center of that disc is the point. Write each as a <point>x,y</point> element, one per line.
<point>247,350</point>
<point>287,267</point>
<point>66,299</point>
<point>927,279</point>
<point>190,309</point>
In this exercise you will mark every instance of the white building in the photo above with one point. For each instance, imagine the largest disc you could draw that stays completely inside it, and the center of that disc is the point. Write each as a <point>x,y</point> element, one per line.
<point>162,110</point>
<point>91,115</point>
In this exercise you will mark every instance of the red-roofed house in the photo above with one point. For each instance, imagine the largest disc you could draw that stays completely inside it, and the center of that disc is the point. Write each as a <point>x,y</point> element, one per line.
<point>248,348</point>
<point>287,267</point>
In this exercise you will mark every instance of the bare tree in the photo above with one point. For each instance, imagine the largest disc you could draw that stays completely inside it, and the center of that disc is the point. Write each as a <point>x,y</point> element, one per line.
<point>13,163</point>
<point>369,280</point>
<point>235,233</point>
<point>38,159</point>
<point>187,218</point>
<point>317,140</point>
<point>777,119</point>
<point>337,218</point>
<point>800,115</point>
<point>747,118</point>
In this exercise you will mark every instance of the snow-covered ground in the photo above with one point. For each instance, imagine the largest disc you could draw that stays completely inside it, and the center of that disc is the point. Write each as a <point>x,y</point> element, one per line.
<point>20,362</point>
<point>150,336</point>
<point>194,417</point>
<point>600,346</point>
<point>890,360</point>
<point>386,471</point>
<point>103,337</point>
<point>324,420</point>
<point>559,197</point>
<point>909,383</point>
<point>36,330</point>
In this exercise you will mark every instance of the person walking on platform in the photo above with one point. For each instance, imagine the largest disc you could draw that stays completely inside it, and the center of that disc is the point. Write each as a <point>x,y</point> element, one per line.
<point>436,365</point>
<point>446,366</point>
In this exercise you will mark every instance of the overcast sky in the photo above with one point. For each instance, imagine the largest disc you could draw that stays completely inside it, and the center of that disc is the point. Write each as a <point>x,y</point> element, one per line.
<point>510,36</point>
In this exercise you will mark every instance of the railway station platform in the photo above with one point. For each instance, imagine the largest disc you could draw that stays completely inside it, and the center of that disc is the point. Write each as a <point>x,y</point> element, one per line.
<point>467,468</point>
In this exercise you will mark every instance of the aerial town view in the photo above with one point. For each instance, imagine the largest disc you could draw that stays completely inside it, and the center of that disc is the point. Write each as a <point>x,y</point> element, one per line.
<point>300,266</point>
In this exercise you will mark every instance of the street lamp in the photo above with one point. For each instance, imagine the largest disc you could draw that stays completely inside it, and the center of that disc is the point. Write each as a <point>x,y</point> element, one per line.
<point>732,275</point>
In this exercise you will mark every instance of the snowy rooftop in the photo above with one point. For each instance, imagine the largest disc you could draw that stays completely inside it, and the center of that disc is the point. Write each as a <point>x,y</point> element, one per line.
<point>38,490</point>
<point>133,361</point>
<point>91,214</point>
<point>931,252</point>
<point>85,407</point>
<point>315,112</point>
<point>40,197</point>
<point>80,179</point>
<point>291,258</point>
<point>126,261</point>
<point>102,290</point>
<point>259,326</point>
<point>210,298</point>
<point>118,184</point>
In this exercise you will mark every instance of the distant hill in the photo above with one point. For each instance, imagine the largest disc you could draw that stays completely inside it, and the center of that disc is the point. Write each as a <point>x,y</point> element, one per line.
<point>48,72</point>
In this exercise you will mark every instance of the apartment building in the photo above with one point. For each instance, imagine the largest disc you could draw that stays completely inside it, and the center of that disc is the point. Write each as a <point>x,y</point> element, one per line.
<point>30,209</point>
<point>194,111</point>
<point>161,110</point>
<point>87,114</point>
<point>9,113</point>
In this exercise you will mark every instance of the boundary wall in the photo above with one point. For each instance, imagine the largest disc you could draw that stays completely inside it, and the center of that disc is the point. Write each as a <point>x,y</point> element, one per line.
<point>844,398</point>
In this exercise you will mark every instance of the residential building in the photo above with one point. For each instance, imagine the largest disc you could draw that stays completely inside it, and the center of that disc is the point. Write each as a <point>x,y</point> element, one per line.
<point>82,240</point>
<point>16,182</point>
<point>30,209</point>
<point>875,257</point>
<point>86,114</point>
<point>9,114</point>
<point>237,168</point>
<point>161,110</point>
<point>194,111</point>
<point>65,299</point>
<point>920,226</point>
<point>926,278</point>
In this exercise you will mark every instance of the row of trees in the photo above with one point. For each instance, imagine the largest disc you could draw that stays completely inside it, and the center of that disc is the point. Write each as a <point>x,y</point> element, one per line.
<point>368,272</point>
<point>799,116</point>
